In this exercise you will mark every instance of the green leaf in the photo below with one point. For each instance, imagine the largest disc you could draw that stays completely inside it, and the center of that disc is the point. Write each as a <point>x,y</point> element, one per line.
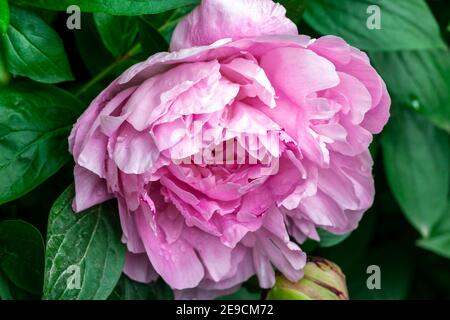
<point>374,146</point>
<point>396,270</point>
<point>405,24</point>
<point>159,290</point>
<point>117,33</point>
<point>128,289</point>
<point>116,7</point>
<point>5,293</point>
<point>34,50</point>
<point>152,41</point>
<point>359,251</point>
<point>48,16</point>
<point>90,46</point>
<point>85,244</point>
<point>439,244</point>
<point>439,241</point>
<point>242,294</point>
<point>294,9</point>
<point>166,22</point>
<point>357,243</point>
<point>328,239</point>
<point>419,79</point>
<point>4,16</point>
<point>416,157</point>
<point>35,121</point>
<point>22,254</point>
<point>4,75</point>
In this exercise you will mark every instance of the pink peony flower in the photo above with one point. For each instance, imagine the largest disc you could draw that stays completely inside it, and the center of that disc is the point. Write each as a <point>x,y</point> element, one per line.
<point>229,151</point>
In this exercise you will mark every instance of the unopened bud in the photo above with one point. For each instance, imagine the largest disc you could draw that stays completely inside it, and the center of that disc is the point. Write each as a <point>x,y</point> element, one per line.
<point>323,280</point>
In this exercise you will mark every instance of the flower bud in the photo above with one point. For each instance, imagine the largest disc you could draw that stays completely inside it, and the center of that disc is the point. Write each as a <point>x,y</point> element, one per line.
<point>323,280</point>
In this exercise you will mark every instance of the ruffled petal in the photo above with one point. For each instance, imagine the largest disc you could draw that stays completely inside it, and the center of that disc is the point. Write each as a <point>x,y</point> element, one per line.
<point>299,72</point>
<point>237,19</point>
<point>138,268</point>
<point>135,152</point>
<point>177,262</point>
<point>90,189</point>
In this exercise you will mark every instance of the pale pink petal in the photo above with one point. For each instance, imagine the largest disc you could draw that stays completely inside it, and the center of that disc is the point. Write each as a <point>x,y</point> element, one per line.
<point>215,256</point>
<point>361,69</point>
<point>246,119</point>
<point>237,19</point>
<point>357,96</point>
<point>298,72</point>
<point>177,263</point>
<point>376,119</point>
<point>130,234</point>
<point>138,268</point>
<point>90,189</point>
<point>249,74</point>
<point>333,48</point>
<point>135,152</point>
<point>166,135</point>
<point>264,270</point>
<point>154,97</point>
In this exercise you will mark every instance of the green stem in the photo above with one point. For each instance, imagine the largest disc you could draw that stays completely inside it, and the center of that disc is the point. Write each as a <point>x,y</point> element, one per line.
<point>168,23</point>
<point>4,75</point>
<point>105,72</point>
<point>131,53</point>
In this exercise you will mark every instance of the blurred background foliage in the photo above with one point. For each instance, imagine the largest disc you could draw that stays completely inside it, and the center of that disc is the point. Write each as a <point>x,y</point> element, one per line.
<point>49,74</point>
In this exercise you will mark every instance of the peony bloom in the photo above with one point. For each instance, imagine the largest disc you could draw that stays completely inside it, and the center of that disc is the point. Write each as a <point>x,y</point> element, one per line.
<point>229,151</point>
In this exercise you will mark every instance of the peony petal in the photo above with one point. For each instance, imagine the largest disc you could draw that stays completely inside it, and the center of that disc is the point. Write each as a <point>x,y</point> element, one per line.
<point>90,189</point>
<point>135,152</point>
<point>138,268</point>
<point>153,98</point>
<point>166,135</point>
<point>323,211</point>
<point>215,256</point>
<point>264,270</point>
<point>359,67</point>
<point>204,97</point>
<point>177,263</point>
<point>356,94</point>
<point>130,234</point>
<point>274,223</point>
<point>376,119</point>
<point>333,48</point>
<point>298,72</point>
<point>237,19</point>
<point>246,72</point>
<point>357,139</point>
<point>93,154</point>
<point>246,119</point>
